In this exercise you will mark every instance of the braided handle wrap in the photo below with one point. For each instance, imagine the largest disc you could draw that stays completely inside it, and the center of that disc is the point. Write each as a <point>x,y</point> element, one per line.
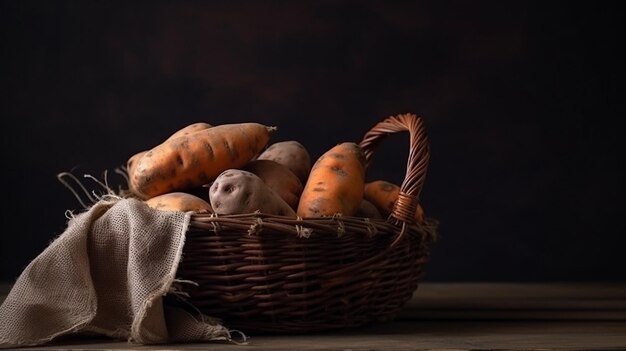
<point>419,154</point>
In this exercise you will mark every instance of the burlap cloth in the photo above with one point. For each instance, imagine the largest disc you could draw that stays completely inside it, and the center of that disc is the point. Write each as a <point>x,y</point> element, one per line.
<point>107,274</point>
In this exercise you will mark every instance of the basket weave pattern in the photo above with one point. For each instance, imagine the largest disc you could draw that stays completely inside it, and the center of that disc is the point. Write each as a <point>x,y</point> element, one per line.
<point>260,272</point>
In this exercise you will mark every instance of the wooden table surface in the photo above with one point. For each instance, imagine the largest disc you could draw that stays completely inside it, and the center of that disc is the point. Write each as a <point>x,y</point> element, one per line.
<point>455,316</point>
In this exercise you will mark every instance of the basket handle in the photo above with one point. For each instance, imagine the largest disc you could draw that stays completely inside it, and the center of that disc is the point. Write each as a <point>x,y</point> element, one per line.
<point>403,212</point>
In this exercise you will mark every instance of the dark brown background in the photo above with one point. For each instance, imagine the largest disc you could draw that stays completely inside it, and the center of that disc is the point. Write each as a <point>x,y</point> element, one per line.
<point>522,102</point>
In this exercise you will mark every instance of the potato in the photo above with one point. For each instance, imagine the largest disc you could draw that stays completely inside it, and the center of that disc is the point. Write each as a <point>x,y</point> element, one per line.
<point>279,178</point>
<point>179,201</point>
<point>237,191</point>
<point>368,210</point>
<point>291,154</point>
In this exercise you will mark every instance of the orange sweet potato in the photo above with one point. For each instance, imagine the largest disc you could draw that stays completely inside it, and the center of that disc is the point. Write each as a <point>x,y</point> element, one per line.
<point>197,158</point>
<point>192,128</point>
<point>132,161</point>
<point>384,194</point>
<point>179,201</point>
<point>335,184</point>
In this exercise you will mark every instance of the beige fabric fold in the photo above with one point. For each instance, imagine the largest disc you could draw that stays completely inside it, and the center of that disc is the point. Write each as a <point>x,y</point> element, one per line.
<point>107,273</point>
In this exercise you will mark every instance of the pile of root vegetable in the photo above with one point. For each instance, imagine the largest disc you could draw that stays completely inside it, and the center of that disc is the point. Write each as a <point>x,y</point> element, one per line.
<point>235,168</point>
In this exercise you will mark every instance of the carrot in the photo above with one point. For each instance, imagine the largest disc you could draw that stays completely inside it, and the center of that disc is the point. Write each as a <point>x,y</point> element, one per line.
<point>335,184</point>
<point>384,194</point>
<point>197,158</point>
<point>179,201</point>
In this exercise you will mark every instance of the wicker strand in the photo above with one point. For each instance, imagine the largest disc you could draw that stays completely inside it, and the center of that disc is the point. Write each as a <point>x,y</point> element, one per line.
<point>404,208</point>
<point>403,212</point>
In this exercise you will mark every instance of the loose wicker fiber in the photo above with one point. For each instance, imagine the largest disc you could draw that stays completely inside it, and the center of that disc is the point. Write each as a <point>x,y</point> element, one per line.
<point>267,273</point>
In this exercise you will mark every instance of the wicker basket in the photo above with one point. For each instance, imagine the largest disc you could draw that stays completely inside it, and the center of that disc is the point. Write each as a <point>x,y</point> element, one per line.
<point>266,273</point>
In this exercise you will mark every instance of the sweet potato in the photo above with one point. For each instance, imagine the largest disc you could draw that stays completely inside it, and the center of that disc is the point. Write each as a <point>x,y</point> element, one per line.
<point>132,161</point>
<point>291,154</point>
<point>279,178</point>
<point>192,128</point>
<point>237,191</point>
<point>335,184</point>
<point>384,194</point>
<point>179,201</point>
<point>197,158</point>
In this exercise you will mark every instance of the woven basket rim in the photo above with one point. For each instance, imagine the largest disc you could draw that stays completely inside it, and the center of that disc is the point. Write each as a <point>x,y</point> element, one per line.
<point>255,223</point>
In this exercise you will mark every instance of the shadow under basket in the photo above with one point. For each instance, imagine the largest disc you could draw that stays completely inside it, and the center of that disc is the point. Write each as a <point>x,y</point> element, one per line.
<point>265,273</point>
